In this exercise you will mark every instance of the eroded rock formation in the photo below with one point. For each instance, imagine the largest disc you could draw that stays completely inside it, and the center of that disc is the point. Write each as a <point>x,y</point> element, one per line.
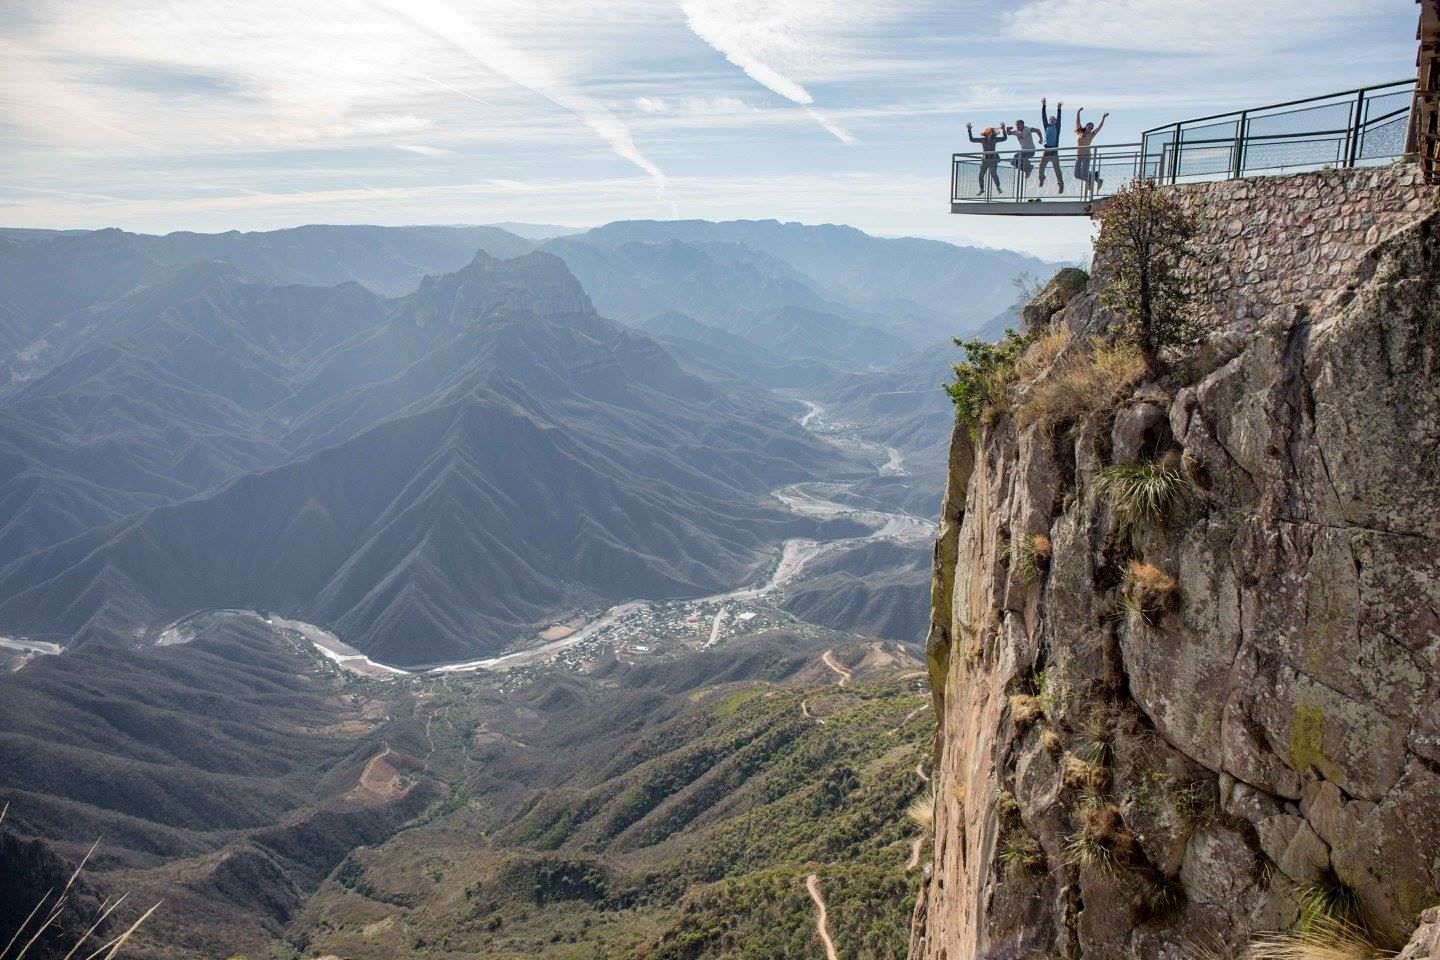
<point>1167,738</point>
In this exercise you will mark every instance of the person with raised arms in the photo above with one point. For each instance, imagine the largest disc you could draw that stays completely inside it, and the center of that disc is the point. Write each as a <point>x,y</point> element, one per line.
<point>1086,169</point>
<point>989,156</point>
<point>1052,142</point>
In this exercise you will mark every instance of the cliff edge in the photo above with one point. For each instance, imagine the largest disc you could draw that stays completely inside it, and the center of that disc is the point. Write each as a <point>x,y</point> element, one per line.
<point>1185,645</point>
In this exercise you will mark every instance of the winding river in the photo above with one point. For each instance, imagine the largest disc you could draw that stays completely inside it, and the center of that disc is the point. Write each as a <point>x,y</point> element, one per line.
<point>809,499</point>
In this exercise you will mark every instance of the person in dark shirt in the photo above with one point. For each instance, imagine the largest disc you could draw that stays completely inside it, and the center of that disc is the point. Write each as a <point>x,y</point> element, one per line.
<point>1052,142</point>
<point>989,156</point>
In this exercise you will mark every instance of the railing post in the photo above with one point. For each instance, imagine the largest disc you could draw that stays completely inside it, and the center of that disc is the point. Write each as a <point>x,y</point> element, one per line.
<point>1175,156</point>
<point>1237,157</point>
<point>1357,128</point>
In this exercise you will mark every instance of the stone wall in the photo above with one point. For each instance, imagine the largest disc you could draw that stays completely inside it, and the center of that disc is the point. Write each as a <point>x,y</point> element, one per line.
<point>1272,241</point>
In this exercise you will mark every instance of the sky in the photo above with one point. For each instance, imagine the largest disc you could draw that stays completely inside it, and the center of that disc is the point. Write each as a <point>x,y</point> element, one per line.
<point>211,115</point>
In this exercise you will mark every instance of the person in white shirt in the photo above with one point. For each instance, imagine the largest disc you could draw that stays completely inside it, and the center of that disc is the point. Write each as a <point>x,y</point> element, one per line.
<point>1026,138</point>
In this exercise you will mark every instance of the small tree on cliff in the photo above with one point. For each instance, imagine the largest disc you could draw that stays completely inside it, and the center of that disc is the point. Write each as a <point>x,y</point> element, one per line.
<point>1141,252</point>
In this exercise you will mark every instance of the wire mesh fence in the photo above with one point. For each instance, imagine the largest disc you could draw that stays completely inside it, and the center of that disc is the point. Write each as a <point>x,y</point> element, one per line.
<point>1035,175</point>
<point>1356,127</point>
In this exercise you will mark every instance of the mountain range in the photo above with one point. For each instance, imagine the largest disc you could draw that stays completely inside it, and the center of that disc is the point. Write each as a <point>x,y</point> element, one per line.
<point>429,439</point>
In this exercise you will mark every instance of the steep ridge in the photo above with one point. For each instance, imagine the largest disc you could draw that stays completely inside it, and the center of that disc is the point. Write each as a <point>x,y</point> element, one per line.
<point>220,775</point>
<point>1219,722</point>
<point>62,287</point>
<point>164,395</point>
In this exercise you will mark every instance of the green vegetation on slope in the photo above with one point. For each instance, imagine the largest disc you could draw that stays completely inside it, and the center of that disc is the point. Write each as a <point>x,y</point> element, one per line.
<point>667,820</point>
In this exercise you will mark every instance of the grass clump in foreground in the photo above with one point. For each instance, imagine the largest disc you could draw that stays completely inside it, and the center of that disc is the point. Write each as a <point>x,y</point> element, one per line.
<point>1084,774</point>
<point>1083,381</point>
<point>1325,938</point>
<point>1145,493</point>
<point>1025,709</point>
<point>47,916</point>
<point>1016,847</point>
<point>922,810</point>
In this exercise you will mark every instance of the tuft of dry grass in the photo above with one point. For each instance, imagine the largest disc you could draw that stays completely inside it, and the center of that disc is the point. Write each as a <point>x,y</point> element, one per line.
<point>1082,774</point>
<point>1050,741</point>
<point>1042,353</point>
<point>1327,938</point>
<point>922,810</point>
<point>1102,840</point>
<point>46,913</point>
<point>1030,557</point>
<point>1080,382</point>
<point>1144,494</point>
<point>1025,709</point>
<point>1147,592</point>
<point>1157,896</point>
<point>1020,852</point>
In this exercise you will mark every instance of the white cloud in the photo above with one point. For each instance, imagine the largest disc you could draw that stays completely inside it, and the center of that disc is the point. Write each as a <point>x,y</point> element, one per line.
<point>489,49</point>
<point>693,106</point>
<point>776,42</point>
<point>1215,27</point>
<point>424,150</point>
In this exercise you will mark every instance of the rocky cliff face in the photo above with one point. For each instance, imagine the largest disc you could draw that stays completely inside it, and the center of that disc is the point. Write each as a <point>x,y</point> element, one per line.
<point>1177,732</point>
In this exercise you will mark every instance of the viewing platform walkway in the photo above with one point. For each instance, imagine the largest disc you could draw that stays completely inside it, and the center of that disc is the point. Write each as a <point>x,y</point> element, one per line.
<point>1363,127</point>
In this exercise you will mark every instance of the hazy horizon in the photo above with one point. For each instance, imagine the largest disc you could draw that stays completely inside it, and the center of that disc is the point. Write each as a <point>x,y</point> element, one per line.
<point>213,119</point>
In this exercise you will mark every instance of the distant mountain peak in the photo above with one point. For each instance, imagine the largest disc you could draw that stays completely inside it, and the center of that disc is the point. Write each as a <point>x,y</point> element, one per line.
<point>536,283</point>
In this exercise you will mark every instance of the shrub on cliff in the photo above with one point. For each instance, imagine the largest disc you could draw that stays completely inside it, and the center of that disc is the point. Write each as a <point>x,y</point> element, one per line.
<point>1144,232</point>
<point>983,377</point>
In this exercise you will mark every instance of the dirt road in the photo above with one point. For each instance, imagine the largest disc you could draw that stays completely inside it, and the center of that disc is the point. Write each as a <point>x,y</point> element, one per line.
<point>822,916</point>
<point>844,672</point>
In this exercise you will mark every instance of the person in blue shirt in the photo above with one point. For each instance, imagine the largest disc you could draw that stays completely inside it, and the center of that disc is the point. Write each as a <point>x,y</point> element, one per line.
<point>989,156</point>
<point>1052,142</point>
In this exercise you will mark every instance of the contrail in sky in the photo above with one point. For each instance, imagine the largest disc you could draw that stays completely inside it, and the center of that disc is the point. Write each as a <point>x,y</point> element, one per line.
<point>443,22</point>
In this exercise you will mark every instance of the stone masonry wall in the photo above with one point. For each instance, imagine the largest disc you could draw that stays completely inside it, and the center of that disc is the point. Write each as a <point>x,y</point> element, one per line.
<point>1276,241</point>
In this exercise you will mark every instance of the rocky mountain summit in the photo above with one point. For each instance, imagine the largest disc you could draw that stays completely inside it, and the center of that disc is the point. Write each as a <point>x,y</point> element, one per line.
<point>1185,645</point>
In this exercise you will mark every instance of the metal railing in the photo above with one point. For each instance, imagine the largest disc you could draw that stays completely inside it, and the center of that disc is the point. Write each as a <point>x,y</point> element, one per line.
<point>1353,128</point>
<point>1030,176</point>
<point>1348,129</point>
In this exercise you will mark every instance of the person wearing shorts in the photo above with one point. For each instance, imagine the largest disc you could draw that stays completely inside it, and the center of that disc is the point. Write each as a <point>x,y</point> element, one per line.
<point>1086,170</point>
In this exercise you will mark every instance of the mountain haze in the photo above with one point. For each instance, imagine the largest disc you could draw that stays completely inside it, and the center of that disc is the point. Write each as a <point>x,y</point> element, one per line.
<point>437,477</point>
